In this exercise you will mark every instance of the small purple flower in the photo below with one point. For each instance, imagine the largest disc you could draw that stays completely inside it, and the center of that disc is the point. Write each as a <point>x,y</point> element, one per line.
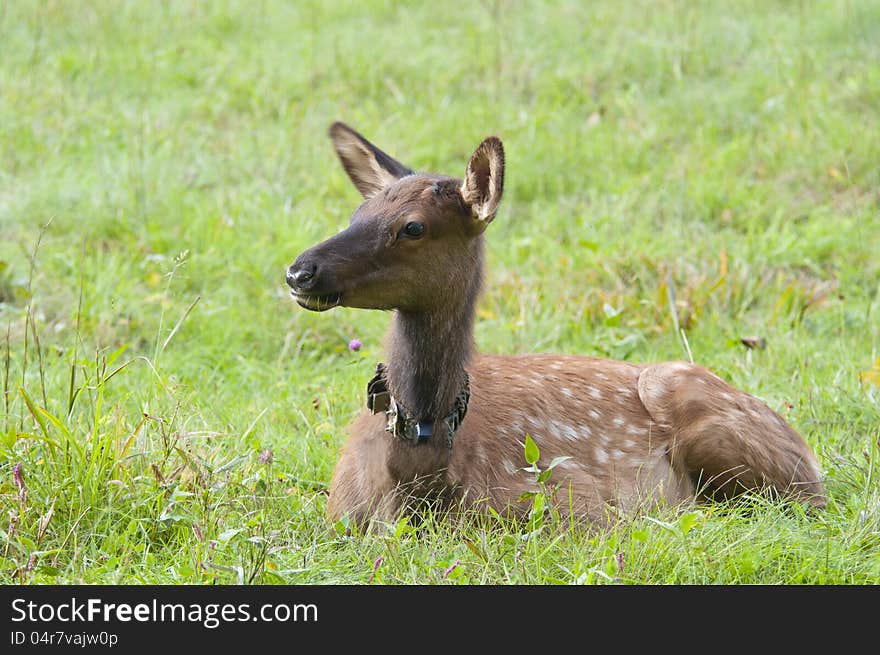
<point>16,477</point>
<point>266,456</point>
<point>354,345</point>
<point>451,568</point>
<point>376,565</point>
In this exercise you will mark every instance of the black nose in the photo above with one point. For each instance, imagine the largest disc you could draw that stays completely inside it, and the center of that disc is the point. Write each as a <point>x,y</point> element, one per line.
<point>301,275</point>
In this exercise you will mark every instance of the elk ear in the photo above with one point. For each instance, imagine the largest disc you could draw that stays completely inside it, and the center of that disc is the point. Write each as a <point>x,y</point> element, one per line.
<point>369,168</point>
<point>484,181</point>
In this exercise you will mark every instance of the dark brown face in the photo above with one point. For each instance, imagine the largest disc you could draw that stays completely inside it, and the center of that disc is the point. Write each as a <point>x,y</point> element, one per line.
<point>400,250</point>
<point>414,243</point>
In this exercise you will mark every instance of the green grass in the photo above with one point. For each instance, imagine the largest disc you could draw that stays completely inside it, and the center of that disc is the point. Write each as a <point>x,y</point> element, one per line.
<point>171,160</point>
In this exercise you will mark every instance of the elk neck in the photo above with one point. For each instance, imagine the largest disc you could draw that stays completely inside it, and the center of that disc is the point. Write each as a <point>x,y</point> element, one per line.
<point>427,351</point>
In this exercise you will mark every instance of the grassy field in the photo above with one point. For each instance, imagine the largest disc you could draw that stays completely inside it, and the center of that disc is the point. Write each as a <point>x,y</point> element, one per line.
<point>170,416</point>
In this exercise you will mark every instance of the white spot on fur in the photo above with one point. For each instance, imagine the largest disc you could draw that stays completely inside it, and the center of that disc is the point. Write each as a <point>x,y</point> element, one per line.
<point>727,397</point>
<point>510,467</point>
<point>563,431</point>
<point>619,421</point>
<point>617,454</point>
<point>601,376</point>
<point>556,366</point>
<point>594,392</point>
<point>539,425</point>
<point>628,444</point>
<point>634,429</point>
<point>595,414</point>
<point>585,431</point>
<point>600,455</point>
<point>569,432</point>
<point>567,392</point>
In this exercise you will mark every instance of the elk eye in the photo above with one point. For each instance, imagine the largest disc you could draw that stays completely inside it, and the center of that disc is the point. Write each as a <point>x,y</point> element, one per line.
<point>413,230</point>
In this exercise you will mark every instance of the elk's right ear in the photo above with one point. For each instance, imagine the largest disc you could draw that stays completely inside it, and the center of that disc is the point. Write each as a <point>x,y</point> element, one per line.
<point>370,169</point>
<point>484,181</point>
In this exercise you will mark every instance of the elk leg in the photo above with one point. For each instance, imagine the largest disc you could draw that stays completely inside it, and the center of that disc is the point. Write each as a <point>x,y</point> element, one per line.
<point>726,440</point>
<point>362,488</point>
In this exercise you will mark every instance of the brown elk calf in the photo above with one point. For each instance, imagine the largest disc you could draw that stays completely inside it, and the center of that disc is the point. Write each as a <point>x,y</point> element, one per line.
<point>448,424</point>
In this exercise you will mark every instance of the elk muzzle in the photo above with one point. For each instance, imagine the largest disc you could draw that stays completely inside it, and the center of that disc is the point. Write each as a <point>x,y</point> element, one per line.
<point>304,279</point>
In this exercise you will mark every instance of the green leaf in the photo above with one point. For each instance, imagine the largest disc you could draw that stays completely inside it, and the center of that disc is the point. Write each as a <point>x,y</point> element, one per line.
<point>341,526</point>
<point>544,476</point>
<point>402,527</point>
<point>476,550</point>
<point>557,461</point>
<point>226,535</point>
<point>231,464</point>
<point>68,438</point>
<point>531,450</point>
<point>612,315</point>
<point>27,542</point>
<point>9,438</point>
<point>39,419</point>
<point>271,578</point>
<point>687,521</point>
<point>640,534</point>
<point>528,495</point>
<point>663,524</point>
<point>112,357</point>
<point>536,515</point>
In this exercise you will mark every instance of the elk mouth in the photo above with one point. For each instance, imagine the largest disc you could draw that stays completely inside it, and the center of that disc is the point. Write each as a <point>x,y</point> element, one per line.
<point>317,302</point>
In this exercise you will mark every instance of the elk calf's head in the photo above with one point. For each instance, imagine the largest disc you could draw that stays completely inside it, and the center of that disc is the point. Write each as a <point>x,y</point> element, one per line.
<point>414,242</point>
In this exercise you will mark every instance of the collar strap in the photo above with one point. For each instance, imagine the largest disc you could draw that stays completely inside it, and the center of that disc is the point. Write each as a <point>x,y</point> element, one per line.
<point>401,422</point>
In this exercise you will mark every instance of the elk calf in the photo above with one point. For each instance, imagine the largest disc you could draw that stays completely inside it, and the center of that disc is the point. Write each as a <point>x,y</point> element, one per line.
<point>445,423</point>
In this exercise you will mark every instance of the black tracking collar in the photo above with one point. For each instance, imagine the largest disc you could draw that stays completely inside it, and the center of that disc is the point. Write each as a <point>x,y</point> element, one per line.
<point>401,422</point>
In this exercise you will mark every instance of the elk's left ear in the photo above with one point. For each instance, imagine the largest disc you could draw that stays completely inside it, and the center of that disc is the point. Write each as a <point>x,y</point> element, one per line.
<point>370,169</point>
<point>484,181</point>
